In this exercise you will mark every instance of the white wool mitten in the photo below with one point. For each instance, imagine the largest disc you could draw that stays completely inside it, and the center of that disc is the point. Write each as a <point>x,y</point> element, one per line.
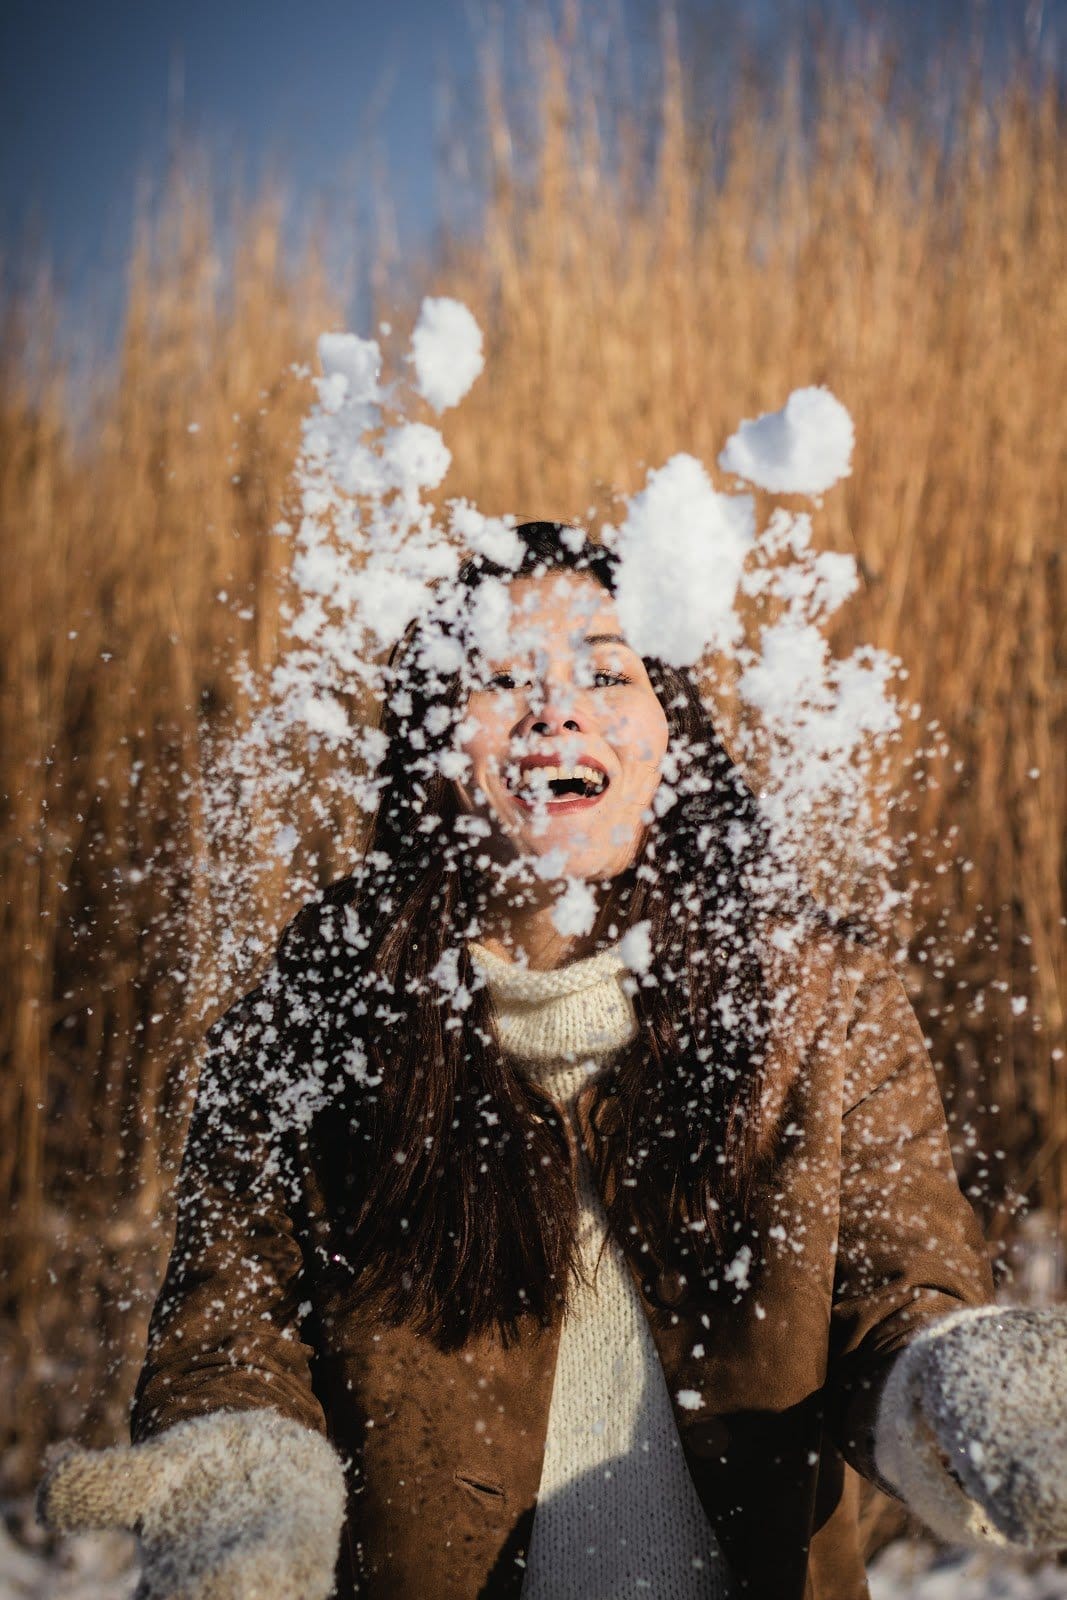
<point>234,1505</point>
<point>972,1427</point>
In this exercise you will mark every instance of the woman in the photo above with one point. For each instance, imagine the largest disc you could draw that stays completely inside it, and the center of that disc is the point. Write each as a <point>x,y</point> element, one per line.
<point>516,1258</point>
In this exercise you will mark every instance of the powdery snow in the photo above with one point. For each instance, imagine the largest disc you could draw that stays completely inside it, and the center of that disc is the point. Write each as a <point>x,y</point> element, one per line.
<point>803,449</point>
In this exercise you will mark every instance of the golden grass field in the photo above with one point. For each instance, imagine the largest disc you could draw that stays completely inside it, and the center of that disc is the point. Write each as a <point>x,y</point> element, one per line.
<point>627,315</point>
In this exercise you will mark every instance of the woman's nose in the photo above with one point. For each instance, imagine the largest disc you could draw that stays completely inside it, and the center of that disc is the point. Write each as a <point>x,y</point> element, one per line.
<point>554,711</point>
<point>547,724</point>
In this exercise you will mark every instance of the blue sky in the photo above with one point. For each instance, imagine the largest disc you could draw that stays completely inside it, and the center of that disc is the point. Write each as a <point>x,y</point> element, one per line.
<point>91,94</point>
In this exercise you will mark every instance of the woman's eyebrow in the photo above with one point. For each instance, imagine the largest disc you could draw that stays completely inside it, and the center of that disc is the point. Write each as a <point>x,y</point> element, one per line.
<point>605,638</point>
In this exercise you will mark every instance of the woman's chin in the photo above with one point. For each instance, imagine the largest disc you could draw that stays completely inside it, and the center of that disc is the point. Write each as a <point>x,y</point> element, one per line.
<point>561,842</point>
<point>589,865</point>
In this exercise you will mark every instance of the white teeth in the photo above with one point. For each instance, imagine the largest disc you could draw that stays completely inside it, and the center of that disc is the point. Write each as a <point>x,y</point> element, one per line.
<point>541,777</point>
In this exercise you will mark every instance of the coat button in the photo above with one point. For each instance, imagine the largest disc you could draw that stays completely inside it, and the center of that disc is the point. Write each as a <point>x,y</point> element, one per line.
<point>671,1287</point>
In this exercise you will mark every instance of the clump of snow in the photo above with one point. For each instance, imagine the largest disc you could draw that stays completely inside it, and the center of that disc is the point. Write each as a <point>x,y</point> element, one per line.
<point>350,368</point>
<point>446,349</point>
<point>682,548</point>
<point>737,1271</point>
<point>636,947</point>
<point>823,722</point>
<point>803,449</point>
<point>575,909</point>
<point>490,617</point>
<point>493,537</point>
<point>415,457</point>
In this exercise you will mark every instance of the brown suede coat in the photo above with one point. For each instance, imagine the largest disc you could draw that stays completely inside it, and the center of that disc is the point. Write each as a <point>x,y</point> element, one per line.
<point>863,1236</point>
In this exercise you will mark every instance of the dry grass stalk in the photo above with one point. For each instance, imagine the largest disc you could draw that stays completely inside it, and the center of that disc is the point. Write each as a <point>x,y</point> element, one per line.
<point>115,649</point>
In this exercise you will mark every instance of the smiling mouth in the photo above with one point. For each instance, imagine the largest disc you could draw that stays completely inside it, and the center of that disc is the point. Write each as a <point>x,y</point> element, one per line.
<point>561,790</point>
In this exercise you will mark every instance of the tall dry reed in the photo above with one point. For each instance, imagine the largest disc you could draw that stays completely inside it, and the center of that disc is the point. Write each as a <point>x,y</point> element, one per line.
<point>630,311</point>
<point>115,650</point>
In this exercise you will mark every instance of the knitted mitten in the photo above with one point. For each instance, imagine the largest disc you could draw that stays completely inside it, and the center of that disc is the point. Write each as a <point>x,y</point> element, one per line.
<point>234,1505</point>
<point>972,1427</point>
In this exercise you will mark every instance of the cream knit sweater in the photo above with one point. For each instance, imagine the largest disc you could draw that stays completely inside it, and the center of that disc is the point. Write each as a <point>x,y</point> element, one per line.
<point>617,1512</point>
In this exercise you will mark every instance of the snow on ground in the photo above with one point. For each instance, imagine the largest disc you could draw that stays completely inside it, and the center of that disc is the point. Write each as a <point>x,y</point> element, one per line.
<point>102,1566</point>
<point>89,1566</point>
<point>913,1570</point>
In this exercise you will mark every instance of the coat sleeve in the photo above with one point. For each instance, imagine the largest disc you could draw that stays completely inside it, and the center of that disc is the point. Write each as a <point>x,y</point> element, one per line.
<point>910,1249</point>
<point>225,1329</point>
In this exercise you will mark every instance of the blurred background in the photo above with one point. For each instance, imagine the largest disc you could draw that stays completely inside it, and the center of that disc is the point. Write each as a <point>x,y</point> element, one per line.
<point>665,219</point>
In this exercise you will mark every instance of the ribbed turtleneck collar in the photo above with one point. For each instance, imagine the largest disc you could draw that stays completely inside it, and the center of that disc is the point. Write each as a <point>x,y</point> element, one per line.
<point>579,1010</point>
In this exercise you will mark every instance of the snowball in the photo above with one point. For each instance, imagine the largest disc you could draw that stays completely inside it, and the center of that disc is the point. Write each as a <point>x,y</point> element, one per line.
<point>802,449</point>
<point>681,550</point>
<point>446,349</point>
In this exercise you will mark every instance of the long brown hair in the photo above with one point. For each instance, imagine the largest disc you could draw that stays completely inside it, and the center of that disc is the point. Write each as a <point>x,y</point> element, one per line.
<point>459,1205</point>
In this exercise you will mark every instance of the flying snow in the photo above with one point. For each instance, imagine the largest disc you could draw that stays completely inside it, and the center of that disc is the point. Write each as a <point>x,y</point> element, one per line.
<point>803,449</point>
<point>682,548</point>
<point>371,555</point>
<point>446,349</point>
<point>636,947</point>
<point>575,910</point>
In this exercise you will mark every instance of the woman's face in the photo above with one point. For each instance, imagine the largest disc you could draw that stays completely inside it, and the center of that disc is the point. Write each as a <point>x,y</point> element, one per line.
<point>565,733</point>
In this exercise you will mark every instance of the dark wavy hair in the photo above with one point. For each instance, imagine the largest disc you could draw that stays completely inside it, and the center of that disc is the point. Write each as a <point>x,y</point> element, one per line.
<point>460,1204</point>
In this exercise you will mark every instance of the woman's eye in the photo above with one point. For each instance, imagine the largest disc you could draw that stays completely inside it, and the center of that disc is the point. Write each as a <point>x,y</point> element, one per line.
<point>504,680</point>
<point>612,677</point>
